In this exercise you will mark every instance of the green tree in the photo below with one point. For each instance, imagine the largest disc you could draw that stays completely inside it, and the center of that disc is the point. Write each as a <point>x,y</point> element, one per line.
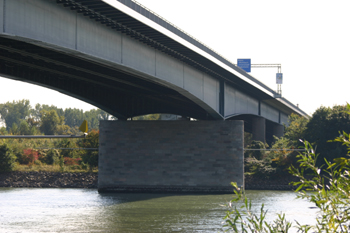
<point>7,158</point>
<point>94,116</point>
<point>36,112</point>
<point>91,141</point>
<point>49,122</point>
<point>3,131</point>
<point>73,117</point>
<point>326,124</point>
<point>14,112</point>
<point>24,128</point>
<point>282,155</point>
<point>296,128</point>
<point>14,129</point>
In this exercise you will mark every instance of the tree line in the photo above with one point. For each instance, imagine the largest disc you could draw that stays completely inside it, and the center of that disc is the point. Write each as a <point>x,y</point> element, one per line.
<point>325,124</point>
<point>21,119</point>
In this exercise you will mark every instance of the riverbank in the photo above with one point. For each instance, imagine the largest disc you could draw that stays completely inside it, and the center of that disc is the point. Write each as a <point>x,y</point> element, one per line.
<point>48,180</point>
<point>275,183</point>
<point>89,180</point>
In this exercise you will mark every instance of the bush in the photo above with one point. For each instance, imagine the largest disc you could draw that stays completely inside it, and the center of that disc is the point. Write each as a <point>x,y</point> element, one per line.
<point>71,161</point>
<point>7,158</point>
<point>51,157</point>
<point>257,150</point>
<point>259,168</point>
<point>29,156</point>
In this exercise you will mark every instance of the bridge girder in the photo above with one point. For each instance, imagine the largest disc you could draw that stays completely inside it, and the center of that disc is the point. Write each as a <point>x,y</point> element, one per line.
<point>121,94</point>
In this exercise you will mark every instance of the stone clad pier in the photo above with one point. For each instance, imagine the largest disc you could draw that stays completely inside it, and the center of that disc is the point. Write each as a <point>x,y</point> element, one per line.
<point>170,156</point>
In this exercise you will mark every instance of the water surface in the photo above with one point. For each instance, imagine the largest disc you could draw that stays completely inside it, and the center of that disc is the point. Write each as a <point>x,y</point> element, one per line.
<point>82,210</point>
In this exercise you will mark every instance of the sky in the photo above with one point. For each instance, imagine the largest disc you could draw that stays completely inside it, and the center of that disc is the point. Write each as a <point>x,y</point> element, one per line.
<point>310,39</point>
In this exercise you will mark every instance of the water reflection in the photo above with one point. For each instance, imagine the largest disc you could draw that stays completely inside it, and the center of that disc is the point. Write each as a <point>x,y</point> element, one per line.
<point>79,210</point>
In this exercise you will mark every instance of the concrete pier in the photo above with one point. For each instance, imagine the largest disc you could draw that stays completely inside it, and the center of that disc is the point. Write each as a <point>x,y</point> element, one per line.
<point>170,156</point>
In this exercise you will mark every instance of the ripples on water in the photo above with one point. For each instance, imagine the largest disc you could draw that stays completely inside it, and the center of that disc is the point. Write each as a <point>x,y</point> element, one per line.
<point>81,210</point>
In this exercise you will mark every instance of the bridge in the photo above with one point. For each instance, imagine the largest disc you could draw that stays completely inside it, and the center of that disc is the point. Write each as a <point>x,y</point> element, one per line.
<point>128,61</point>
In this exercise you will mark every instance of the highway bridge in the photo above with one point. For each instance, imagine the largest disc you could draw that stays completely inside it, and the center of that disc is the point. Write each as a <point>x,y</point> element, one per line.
<point>128,61</point>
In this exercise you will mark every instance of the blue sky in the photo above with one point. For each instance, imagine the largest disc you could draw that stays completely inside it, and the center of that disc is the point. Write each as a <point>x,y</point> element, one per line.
<point>310,39</point>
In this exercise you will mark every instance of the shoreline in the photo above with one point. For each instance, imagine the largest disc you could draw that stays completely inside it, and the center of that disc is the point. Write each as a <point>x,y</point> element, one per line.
<point>18,179</point>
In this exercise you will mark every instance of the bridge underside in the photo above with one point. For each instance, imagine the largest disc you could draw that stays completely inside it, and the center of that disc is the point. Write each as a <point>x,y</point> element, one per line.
<point>260,128</point>
<point>122,94</point>
<point>126,67</point>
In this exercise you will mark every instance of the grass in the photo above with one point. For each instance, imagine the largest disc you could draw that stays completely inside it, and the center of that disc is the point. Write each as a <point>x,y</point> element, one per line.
<point>52,168</point>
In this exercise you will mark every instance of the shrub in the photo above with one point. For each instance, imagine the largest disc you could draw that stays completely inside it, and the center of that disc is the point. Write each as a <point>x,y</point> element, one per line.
<point>71,161</point>
<point>257,150</point>
<point>52,157</point>
<point>7,158</point>
<point>29,156</point>
<point>259,168</point>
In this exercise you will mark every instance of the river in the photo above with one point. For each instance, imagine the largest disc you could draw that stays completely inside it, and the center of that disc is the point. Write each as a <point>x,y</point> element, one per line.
<point>85,210</point>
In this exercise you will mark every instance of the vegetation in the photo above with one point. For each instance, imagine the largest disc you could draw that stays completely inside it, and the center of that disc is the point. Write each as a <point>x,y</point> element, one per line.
<point>324,125</point>
<point>16,112</point>
<point>50,154</point>
<point>7,158</point>
<point>274,163</point>
<point>37,154</point>
<point>21,119</point>
<point>325,185</point>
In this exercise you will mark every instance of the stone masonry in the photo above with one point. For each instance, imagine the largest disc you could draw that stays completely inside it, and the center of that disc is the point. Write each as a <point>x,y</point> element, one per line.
<point>170,156</point>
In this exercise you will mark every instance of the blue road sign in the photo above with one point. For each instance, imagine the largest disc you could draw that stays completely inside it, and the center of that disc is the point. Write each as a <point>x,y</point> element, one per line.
<point>279,78</point>
<point>244,64</point>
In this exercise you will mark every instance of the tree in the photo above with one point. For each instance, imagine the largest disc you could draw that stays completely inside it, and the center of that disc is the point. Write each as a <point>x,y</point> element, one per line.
<point>7,158</point>
<point>282,155</point>
<point>3,131</point>
<point>24,128</point>
<point>73,117</point>
<point>14,129</point>
<point>49,122</point>
<point>36,112</point>
<point>296,128</point>
<point>326,124</point>
<point>14,112</point>
<point>91,141</point>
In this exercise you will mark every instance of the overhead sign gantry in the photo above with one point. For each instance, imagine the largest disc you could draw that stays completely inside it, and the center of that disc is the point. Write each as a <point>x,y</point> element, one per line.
<point>245,64</point>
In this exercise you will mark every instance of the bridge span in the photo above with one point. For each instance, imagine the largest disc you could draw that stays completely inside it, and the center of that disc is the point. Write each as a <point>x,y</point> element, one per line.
<point>126,60</point>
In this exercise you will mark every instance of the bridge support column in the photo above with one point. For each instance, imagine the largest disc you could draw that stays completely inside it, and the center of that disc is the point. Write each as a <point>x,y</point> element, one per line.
<point>170,156</point>
<point>259,129</point>
<point>278,130</point>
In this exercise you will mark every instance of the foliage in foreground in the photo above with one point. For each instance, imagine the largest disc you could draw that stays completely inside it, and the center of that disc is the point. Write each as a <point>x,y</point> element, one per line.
<point>326,186</point>
<point>328,190</point>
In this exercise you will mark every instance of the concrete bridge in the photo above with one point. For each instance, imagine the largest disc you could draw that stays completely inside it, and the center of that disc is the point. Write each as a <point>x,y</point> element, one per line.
<point>128,61</point>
